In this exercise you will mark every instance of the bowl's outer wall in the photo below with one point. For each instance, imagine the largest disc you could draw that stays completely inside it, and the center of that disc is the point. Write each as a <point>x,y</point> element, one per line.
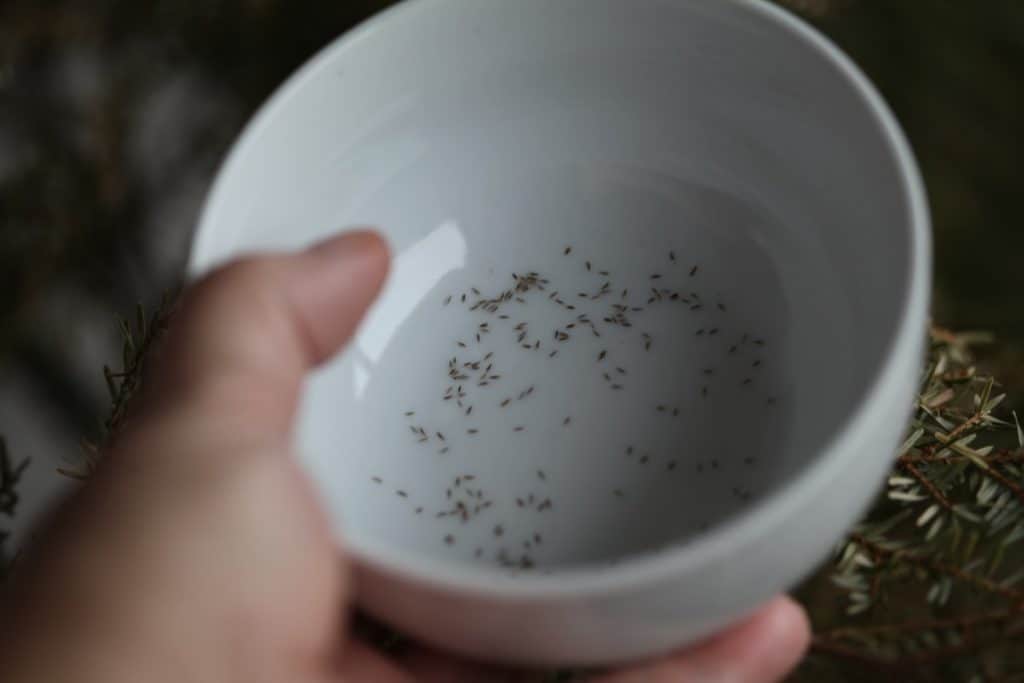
<point>745,563</point>
<point>651,618</point>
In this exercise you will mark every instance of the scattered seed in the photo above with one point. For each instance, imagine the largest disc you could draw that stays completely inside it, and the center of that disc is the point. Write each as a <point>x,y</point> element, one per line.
<point>567,251</point>
<point>377,480</point>
<point>449,539</point>
<point>498,530</point>
<point>566,421</point>
<point>693,271</point>
<point>588,265</point>
<point>402,493</point>
<point>672,256</point>
<point>519,428</point>
<point>601,355</point>
<point>541,475</point>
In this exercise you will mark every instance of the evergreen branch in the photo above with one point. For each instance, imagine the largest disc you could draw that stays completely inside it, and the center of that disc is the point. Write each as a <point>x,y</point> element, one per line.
<point>963,623</point>
<point>882,553</point>
<point>927,485</point>
<point>927,456</point>
<point>1006,482</point>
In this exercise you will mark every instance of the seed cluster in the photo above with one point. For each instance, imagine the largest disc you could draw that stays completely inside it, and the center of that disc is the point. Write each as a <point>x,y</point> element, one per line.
<point>473,377</point>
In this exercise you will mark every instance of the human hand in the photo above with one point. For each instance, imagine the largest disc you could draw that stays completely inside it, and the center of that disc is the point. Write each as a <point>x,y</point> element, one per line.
<point>198,552</point>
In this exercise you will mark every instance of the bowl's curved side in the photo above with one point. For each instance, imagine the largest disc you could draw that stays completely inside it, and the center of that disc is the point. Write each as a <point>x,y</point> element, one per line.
<point>658,602</point>
<point>637,621</point>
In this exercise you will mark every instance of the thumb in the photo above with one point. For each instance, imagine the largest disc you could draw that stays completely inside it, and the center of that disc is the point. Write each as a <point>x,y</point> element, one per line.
<point>246,335</point>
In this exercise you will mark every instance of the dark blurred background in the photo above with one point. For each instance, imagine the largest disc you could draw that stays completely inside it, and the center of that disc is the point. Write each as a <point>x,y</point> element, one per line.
<point>115,113</point>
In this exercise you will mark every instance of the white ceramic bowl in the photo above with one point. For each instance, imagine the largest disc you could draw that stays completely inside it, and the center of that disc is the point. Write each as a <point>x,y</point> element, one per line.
<point>719,442</point>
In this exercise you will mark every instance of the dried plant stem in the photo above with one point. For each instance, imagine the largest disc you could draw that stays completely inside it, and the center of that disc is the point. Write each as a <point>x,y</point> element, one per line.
<point>963,623</point>
<point>881,553</point>
<point>928,486</point>
<point>927,457</point>
<point>902,664</point>
<point>1008,483</point>
<point>962,429</point>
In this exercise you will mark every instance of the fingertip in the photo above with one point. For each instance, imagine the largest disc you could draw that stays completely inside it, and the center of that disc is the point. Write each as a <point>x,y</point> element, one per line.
<point>790,624</point>
<point>370,245</point>
<point>763,649</point>
<point>336,281</point>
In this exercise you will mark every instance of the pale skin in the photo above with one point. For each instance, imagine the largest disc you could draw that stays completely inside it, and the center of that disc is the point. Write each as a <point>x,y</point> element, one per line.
<point>198,551</point>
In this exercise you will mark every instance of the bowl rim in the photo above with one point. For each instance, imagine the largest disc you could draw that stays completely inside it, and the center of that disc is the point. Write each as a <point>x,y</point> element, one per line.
<point>741,530</point>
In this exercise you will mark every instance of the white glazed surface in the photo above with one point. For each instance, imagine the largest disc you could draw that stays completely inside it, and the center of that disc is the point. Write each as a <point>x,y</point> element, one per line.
<point>650,137</point>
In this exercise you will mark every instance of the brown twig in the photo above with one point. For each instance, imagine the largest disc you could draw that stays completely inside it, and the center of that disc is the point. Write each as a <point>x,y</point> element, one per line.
<point>1000,457</point>
<point>960,623</point>
<point>928,486</point>
<point>998,476</point>
<point>952,571</point>
<point>961,429</point>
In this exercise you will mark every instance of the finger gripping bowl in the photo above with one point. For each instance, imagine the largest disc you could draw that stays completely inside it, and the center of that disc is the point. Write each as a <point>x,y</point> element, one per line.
<point>653,325</point>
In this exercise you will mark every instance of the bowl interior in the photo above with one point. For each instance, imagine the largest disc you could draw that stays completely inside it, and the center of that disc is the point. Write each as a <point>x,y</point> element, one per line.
<point>648,256</point>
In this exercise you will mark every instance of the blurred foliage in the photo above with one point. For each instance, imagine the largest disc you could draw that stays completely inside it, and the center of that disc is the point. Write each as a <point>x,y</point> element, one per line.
<point>927,586</point>
<point>10,474</point>
<point>951,71</point>
<point>73,209</point>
